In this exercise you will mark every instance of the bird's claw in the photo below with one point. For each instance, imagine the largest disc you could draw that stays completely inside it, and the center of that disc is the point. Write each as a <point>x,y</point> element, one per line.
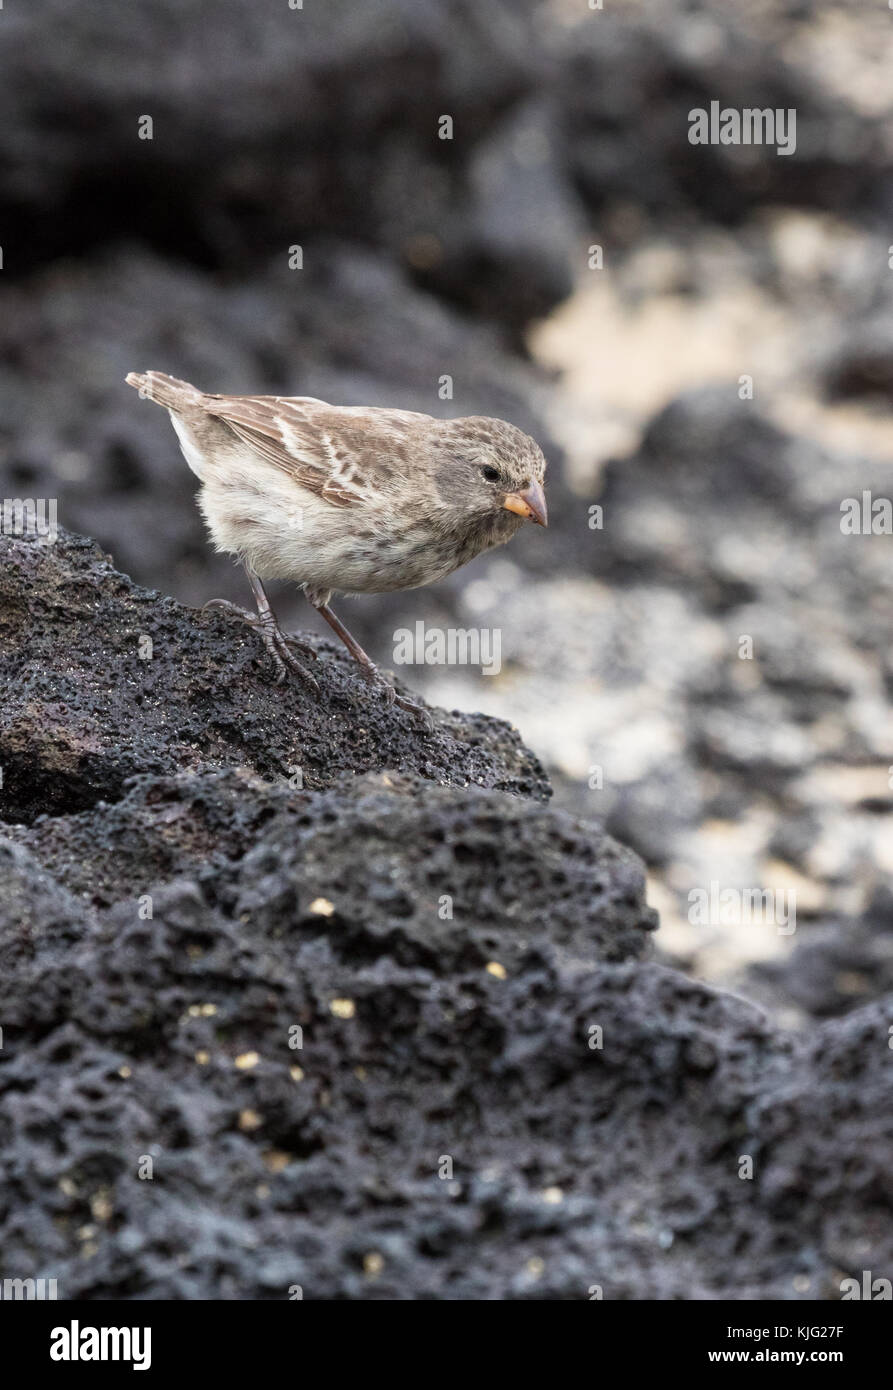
<point>303,647</point>
<point>276,644</point>
<point>274,640</point>
<point>374,678</point>
<point>225,606</point>
<point>418,712</point>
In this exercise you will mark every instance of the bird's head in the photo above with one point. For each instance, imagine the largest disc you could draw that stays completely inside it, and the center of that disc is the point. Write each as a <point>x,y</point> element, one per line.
<point>496,472</point>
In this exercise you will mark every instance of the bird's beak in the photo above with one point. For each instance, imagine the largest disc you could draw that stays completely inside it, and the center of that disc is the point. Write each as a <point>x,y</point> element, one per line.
<point>531,503</point>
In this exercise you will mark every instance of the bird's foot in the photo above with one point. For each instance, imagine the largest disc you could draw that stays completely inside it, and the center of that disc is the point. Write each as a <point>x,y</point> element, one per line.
<point>373,677</point>
<point>277,643</point>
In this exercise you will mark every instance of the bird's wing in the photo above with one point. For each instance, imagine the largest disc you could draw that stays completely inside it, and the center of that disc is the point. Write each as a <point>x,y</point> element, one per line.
<point>299,435</point>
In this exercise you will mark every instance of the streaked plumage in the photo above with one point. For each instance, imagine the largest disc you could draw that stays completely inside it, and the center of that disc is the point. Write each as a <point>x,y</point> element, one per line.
<point>349,499</point>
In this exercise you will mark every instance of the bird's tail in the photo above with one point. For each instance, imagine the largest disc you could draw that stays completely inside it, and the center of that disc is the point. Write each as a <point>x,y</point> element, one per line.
<point>164,390</point>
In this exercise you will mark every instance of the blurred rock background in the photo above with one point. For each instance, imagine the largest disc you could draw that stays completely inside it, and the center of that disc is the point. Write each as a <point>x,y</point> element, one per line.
<point>318,127</point>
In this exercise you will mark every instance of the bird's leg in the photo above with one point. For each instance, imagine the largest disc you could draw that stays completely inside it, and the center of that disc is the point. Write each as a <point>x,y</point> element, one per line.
<point>267,618</point>
<point>369,670</point>
<point>265,625</point>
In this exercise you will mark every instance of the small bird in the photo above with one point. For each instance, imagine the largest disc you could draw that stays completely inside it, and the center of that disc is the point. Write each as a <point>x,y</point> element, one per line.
<point>349,500</point>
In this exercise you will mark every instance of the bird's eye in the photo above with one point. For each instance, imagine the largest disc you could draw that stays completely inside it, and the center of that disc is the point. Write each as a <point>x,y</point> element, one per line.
<point>491,474</point>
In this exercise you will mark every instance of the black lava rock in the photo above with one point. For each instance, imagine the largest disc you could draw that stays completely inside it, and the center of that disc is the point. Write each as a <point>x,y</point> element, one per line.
<point>386,1034</point>
<point>102,681</point>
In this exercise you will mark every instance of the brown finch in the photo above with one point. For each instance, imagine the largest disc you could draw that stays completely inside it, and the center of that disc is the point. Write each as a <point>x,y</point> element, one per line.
<point>355,500</point>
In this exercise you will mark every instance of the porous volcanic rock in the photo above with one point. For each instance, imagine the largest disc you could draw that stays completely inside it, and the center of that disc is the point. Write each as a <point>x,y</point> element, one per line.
<point>387,1034</point>
<point>102,680</point>
<point>274,126</point>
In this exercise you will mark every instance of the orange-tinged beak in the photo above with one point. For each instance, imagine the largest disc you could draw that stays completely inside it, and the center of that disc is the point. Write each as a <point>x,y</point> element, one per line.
<point>530,503</point>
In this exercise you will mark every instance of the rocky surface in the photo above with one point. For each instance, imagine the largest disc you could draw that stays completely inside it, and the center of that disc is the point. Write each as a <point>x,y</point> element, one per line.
<point>709,675</point>
<point>389,1034</point>
<point>301,853</point>
<point>633,76</point>
<point>136,687</point>
<point>564,118</point>
<point>330,126</point>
